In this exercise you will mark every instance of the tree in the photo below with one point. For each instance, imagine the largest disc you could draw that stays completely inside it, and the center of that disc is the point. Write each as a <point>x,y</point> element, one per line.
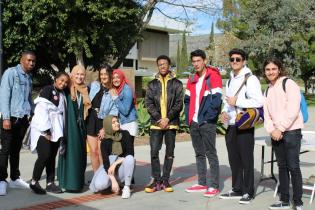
<point>178,64</point>
<point>78,31</point>
<point>273,28</point>
<point>86,32</point>
<point>183,55</point>
<point>211,46</point>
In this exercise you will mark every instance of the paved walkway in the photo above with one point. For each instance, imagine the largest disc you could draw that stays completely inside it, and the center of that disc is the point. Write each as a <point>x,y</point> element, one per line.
<point>183,175</point>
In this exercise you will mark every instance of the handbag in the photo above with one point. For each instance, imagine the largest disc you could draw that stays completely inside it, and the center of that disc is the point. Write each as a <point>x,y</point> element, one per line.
<point>248,117</point>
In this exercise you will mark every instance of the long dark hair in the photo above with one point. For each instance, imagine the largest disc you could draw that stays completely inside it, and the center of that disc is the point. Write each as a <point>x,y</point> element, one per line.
<point>276,62</point>
<point>109,72</point>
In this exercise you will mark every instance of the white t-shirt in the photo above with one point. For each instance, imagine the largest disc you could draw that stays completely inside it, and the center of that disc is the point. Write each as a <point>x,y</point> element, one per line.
<point>198,89</point>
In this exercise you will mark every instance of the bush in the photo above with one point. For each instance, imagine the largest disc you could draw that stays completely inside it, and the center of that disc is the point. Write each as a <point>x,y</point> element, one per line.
<point>144,121</point>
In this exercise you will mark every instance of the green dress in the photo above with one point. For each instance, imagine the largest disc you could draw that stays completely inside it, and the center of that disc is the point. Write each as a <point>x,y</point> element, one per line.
<point>71,165</point>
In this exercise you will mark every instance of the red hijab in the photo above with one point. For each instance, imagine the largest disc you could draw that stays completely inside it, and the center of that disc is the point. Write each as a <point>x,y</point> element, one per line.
<point>123,81</point>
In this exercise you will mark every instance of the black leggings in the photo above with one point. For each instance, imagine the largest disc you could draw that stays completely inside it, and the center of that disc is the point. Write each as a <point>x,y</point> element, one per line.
<point>47,151</point>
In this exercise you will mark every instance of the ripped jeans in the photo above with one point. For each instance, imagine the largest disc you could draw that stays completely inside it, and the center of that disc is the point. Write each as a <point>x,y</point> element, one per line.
<point>156,140</point>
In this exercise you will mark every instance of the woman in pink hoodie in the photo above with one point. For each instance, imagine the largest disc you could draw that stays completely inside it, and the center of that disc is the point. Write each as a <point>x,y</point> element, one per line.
<point>284,121</point>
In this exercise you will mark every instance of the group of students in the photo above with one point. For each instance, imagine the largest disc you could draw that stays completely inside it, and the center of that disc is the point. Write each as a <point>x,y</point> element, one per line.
<point>68,113</point>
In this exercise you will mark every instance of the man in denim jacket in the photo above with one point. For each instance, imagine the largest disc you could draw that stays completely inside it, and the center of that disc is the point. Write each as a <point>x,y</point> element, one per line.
<point>15,106</point>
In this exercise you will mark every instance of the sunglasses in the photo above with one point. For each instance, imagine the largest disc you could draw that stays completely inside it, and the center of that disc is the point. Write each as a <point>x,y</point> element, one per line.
<point>235,59</point>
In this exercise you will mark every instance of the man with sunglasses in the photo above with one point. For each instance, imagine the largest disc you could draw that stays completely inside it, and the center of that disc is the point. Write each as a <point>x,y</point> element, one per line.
<point>202,108</point>
<point>240,143</point>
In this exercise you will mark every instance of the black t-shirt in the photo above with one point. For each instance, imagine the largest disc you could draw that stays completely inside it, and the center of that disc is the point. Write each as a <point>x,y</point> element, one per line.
<point>51,93</point>
<point>96,102</point>
<point>126,144</point>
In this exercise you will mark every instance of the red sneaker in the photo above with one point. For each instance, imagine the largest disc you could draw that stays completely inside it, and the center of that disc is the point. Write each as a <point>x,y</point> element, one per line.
<point>211,192</point>
<point>196,188</point>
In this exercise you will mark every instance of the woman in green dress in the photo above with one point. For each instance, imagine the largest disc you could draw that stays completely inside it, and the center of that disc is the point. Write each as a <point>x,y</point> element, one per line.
<point>72,161</point>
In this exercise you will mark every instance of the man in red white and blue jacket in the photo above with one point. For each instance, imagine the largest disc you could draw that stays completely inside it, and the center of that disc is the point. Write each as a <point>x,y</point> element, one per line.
<point>202,108</point>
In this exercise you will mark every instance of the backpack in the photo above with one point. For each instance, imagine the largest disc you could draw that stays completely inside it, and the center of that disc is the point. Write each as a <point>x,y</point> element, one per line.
<point>303,103</point>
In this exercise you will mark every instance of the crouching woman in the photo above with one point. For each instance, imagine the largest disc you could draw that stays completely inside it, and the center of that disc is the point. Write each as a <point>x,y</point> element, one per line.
<point>118,159</point>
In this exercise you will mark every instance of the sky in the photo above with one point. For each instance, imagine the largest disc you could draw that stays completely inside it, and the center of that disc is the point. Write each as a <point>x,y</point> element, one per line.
<point>201,22</point>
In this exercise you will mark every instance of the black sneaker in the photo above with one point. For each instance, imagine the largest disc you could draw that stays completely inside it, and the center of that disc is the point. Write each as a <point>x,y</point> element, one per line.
<point>53,188</point>
<point>37,188</point>
<point>166,186</point>
<point>246,199</point>
<point>231,195</point>
<point>280,205</point>
<point>154,186</point>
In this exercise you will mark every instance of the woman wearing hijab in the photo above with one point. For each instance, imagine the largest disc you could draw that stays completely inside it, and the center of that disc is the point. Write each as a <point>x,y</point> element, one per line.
<point>72,163</point>
<point>47,131</point>
<point>118,159</point>
<point>102,105</point>
<point>125,101</point>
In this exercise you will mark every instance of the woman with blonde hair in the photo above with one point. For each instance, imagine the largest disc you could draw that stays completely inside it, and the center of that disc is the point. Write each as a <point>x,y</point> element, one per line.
<point>72,162</point>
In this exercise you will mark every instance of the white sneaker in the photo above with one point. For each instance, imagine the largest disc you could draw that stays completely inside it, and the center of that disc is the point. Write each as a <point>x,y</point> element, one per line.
<point>299,207</point>
<point>3,188</point>
<point>19,183</point>
<point>125,192</point>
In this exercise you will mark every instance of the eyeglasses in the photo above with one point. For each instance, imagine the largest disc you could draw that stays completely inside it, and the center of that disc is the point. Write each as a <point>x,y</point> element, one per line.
<point>235,59</point>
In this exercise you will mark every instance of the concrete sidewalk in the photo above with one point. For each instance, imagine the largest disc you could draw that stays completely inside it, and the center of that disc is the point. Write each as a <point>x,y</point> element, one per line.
<point>183,175</point>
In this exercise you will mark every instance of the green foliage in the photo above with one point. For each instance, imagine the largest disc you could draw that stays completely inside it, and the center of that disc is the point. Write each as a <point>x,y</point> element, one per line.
<point>284,28</point>
<point>143,118</point>
<point>178,64</point>
<point>183,55</point>
<point>183,128</point>
<point>220,128</point>
<point>62,31</point>
<point>310,100</point>
<point>211,46</point>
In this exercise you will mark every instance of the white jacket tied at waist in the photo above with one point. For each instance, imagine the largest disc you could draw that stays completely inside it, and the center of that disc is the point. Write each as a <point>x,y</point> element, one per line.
<point>47,116</point>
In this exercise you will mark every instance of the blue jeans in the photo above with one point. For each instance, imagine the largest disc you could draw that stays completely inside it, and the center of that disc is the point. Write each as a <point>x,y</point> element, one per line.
<point>156,140</point>
<point>203,140</point>
<point>287,152</point>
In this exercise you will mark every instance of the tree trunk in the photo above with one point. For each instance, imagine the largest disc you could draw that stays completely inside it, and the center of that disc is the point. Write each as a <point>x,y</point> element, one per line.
<point>79,58</point>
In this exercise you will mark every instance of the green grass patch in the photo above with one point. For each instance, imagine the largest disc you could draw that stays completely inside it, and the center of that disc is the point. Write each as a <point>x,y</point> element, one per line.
<point>310,98</point>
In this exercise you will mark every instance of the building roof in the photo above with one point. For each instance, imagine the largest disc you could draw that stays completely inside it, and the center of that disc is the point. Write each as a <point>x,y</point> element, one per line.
<point>162,23</point>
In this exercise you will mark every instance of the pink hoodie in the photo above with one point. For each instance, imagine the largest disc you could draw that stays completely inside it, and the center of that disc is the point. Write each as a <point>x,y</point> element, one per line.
<point>282,109</point>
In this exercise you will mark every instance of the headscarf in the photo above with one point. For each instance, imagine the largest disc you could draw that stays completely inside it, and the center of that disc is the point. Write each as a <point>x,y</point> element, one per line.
<point>82,88</point>
<point>123,81</point>
<point>111,135</point>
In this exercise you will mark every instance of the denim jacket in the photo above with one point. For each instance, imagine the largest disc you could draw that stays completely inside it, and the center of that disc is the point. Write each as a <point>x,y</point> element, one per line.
<point>126,107</point>
<point>16,93</point>
<point>108,106</point>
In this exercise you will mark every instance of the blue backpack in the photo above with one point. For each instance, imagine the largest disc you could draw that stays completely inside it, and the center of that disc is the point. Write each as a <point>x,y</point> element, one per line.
<point>303,103</point>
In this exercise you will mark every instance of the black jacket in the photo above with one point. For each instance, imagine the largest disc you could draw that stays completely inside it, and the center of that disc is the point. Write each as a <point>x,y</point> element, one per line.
<point>174,100</point>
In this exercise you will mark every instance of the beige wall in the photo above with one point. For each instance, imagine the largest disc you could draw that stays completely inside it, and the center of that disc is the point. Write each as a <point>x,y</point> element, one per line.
<point>154,43</point>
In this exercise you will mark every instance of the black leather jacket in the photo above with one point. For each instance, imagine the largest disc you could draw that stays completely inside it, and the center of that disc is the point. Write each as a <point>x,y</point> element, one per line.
<point>174,99</point>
